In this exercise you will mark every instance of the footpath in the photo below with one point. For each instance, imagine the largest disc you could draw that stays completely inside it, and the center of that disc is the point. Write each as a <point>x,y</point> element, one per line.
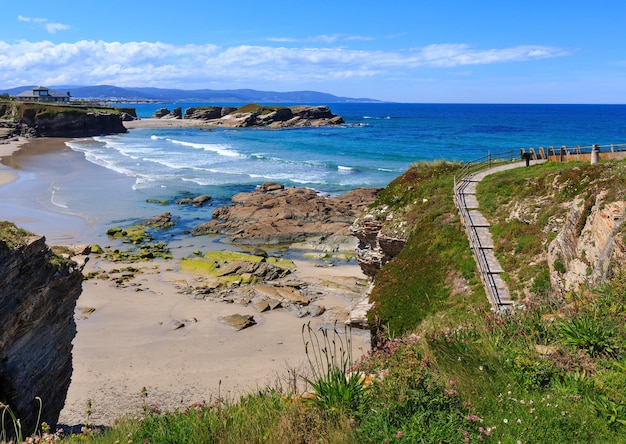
<point>477,229</point>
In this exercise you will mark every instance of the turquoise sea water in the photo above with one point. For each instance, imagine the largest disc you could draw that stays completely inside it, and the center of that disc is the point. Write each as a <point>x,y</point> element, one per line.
<point>378,143</point>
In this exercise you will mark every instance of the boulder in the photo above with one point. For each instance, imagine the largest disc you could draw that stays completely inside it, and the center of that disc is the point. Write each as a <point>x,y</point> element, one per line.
<point>200,200</point>
<point>238,321</point>
<point>162,221</point>
<point>161,112</point>
<point>177,113</point>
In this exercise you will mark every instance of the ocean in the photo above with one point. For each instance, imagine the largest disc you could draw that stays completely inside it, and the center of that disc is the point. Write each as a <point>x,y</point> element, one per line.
<point>129,172</point>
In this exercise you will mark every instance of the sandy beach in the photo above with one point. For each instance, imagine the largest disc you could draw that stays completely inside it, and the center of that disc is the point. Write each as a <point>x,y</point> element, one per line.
<point>150,333</point>
<point>7,148</point>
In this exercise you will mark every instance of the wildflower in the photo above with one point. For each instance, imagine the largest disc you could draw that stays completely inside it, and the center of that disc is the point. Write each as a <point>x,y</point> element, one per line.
<point>452,382</point>
<point>399,435</point>
<point>506,421</point>
<point>519,421</point>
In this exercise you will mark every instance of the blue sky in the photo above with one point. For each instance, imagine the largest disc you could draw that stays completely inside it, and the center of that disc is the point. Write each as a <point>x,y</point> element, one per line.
<point>463,51</point>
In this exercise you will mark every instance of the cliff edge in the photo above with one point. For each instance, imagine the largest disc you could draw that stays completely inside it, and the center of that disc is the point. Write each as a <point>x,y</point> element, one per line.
<point>37,302</point>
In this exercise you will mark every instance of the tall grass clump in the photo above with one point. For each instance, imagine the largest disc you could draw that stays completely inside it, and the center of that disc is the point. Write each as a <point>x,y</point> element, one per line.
<point>336,390</point>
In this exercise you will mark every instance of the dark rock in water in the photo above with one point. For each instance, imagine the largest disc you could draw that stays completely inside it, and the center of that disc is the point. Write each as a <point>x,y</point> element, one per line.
<point>162,221</point>
<point>195,201</point>
<point>238,321</point>
<point>200,200</point>
<point>37,303</point>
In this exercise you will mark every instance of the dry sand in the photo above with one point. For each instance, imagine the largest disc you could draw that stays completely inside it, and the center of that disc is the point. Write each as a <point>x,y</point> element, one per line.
<point>126,337</point>
<point>130,341</point>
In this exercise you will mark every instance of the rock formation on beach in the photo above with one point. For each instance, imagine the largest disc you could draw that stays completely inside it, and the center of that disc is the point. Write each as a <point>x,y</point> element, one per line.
<point>50,120</point>
<point>273,215</point>
<point>378,242</point>
<point>256,115</point>
<point>37,301</point>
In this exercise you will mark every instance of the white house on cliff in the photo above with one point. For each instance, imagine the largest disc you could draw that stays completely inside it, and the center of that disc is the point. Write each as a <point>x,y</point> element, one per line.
<point>43,94</point>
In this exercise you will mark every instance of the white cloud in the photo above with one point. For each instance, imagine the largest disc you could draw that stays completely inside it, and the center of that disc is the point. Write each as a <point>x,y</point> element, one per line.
<point>54,27</point>
<point>191,66</point>
<point>49,26</point>
<point>322,38</point>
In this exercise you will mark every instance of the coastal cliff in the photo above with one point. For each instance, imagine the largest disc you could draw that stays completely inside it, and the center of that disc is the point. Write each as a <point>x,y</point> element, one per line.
<point>51,120</point>
<point>37,301</point>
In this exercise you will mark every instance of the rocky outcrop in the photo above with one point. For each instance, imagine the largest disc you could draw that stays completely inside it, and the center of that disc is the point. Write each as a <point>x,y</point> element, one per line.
<point>381,238</point>
<point>10,130</point>
<point>586,243</point>
<point>78,125</point>
<point>49,120</point>
<point>257,115</point>
<point>37,302</point>
<point>273,215</point>
<point>205,112</point>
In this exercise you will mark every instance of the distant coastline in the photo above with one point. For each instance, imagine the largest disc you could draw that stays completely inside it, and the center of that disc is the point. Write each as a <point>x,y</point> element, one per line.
<point>109,93</point>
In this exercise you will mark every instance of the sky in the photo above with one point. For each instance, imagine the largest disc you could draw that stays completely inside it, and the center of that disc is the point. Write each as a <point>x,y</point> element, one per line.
<point>415,51</point>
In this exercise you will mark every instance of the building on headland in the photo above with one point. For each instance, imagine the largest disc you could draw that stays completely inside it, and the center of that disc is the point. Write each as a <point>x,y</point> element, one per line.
<point>43,94</point>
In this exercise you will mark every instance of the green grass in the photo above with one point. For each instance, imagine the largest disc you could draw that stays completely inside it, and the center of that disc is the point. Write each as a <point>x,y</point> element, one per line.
<point>420,277</point>
<point>13,236</point>
<point>538,199</point>
<point>261,109</point>
<point>447,369</point>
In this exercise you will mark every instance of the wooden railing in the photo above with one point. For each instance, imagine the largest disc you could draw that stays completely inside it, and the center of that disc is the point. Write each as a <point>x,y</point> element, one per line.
<point>578,152</point>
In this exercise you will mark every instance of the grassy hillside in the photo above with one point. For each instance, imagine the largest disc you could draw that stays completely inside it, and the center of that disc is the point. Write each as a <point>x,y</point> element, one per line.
<point>447,369</point>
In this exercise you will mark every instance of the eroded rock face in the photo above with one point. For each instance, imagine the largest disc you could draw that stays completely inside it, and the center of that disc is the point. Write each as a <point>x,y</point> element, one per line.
<point>79,125</point>
<point>583,249</point>
<point>381,237</point>
<point>274,215</point>
<point>38,294</point>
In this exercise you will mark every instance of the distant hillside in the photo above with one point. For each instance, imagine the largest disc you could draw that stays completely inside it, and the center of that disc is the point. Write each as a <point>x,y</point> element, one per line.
<point>114,93</point>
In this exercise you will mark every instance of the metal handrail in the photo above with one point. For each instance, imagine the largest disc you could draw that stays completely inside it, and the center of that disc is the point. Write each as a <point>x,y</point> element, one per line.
<point>479,253</point>
<point>461,181</point>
